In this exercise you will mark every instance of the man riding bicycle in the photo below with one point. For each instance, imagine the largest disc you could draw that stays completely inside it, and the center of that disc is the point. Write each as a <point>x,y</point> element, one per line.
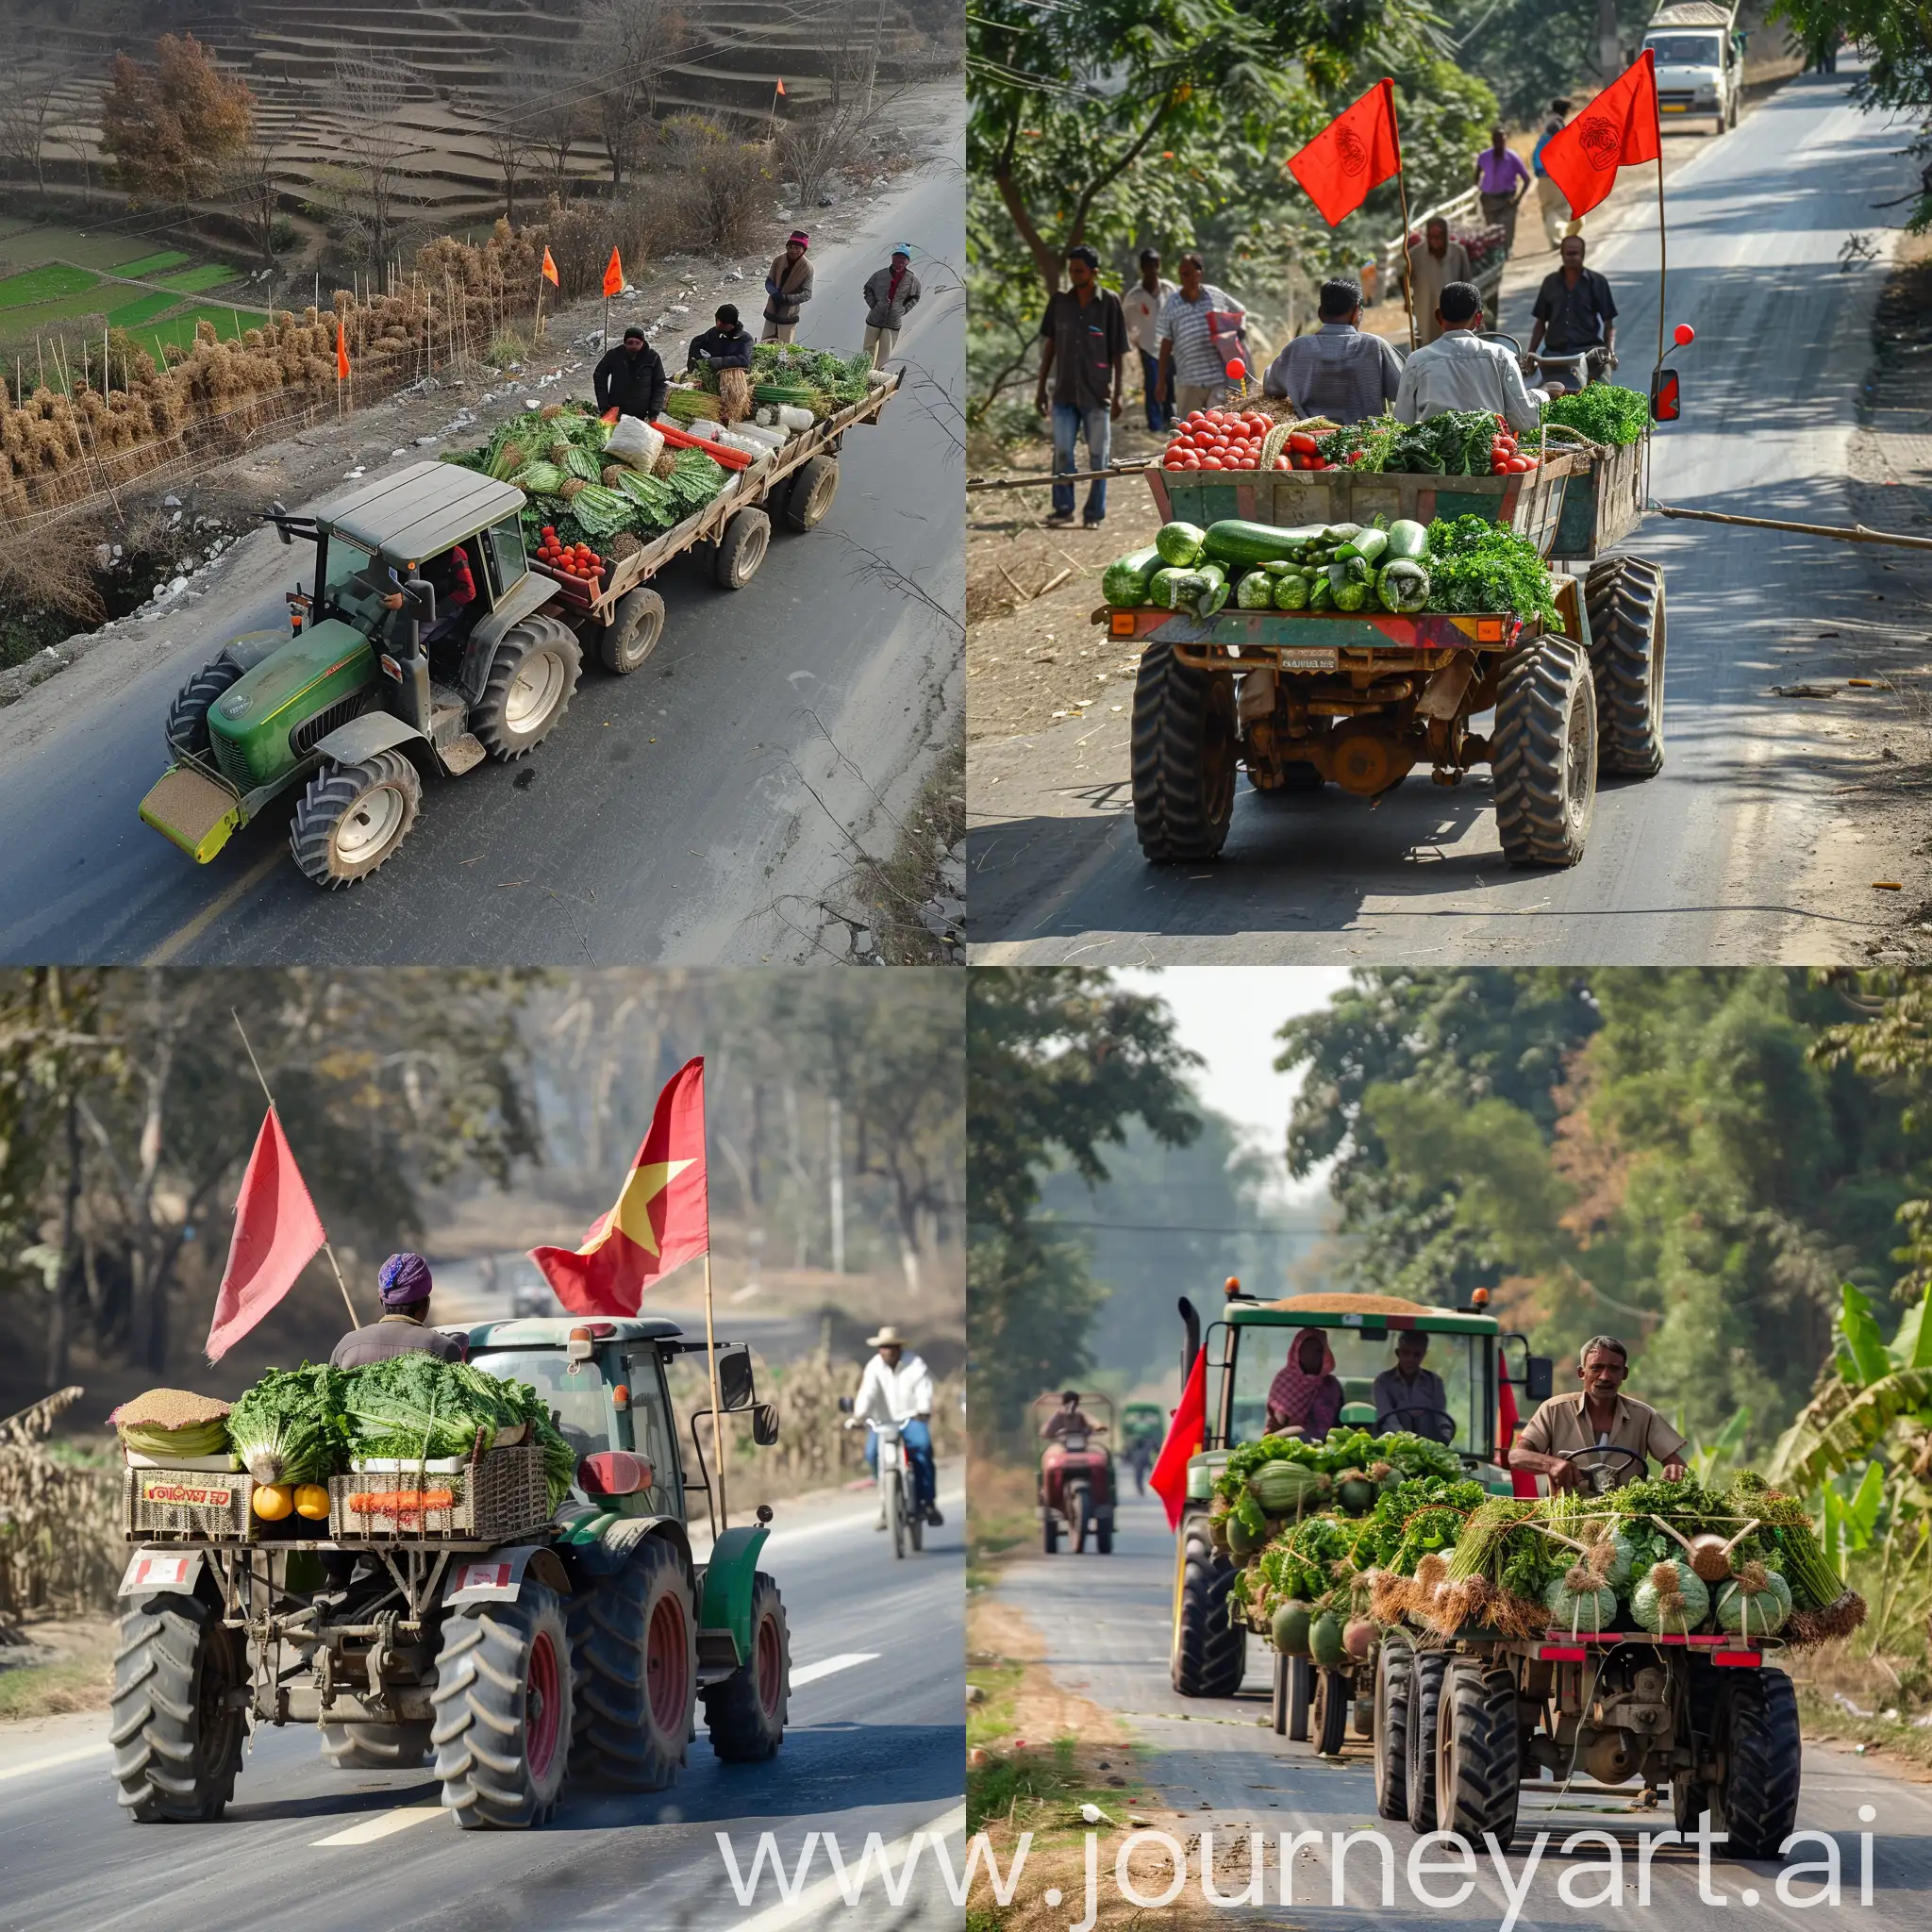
<point>1602,1434</point>
<point>897,1387</point>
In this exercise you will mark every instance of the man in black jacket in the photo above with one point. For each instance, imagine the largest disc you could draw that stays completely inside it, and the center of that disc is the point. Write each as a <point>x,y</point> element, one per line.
<point>727,344</point>
<point>631,378</point>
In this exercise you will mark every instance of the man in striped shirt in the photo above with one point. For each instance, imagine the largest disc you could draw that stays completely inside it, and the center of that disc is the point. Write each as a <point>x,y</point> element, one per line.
<point>1194,373</point>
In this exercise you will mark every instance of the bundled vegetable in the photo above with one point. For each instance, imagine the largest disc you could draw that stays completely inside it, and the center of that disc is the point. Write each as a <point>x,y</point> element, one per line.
<point>1581,1602</point>
<point>1402,587</point>
<point>1756,1602</point>
<point>1670,1601</point>
<point>1602,411</point>
<point>289,1427</point>
<point>173,1423</point>
<point>1475,565</point>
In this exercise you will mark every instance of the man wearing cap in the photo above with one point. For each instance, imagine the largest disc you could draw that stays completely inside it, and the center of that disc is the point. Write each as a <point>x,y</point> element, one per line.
<point>403,1287</point>
<point>787,289</point>
<point>1084,355</point>
<point>897,1387</point>
<point>888,295</point>
<point>631,378</point>
<point>727,344</point>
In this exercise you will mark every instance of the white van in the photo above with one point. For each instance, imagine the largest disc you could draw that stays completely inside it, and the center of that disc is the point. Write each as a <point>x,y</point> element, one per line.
<point>1699,57</point>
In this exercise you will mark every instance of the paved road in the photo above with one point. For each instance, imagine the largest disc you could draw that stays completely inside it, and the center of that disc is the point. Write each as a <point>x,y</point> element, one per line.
<point>1105,1622</point>
<point>875,1746</point>
<point>1702,864</point>
<point>671,818</point>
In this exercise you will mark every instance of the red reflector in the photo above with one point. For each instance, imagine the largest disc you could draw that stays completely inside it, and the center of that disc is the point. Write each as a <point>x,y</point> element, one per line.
<point>1739,1659</point>
<point>1561,1654</point>
<point>1121,623</point>
<point>614,1472</point>
<point>1488,631</point>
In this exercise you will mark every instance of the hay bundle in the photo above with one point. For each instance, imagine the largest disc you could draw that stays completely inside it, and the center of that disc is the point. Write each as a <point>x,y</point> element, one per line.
<point>734,394</point>
<point>1807,1628</point>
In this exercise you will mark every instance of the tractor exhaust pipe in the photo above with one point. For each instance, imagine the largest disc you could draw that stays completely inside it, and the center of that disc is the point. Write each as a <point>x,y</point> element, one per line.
<point>1191,1324</point>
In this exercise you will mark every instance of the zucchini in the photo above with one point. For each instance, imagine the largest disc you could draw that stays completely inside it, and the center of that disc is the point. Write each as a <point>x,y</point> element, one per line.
<point>1180,543</point>
<point>1187,587</point>
<point>1124,581</point>
<point>1235,541</point>
<point>1213,593</point>
<point>1407,540</point>
<point>1341,533</point>
<point>1351,596</point>
<point>1371,545</point>
<point>1255,591</point>
<point>1321,593</point>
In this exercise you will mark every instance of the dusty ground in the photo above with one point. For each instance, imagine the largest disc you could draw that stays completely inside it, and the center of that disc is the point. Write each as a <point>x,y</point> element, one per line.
<point>63,1664</point>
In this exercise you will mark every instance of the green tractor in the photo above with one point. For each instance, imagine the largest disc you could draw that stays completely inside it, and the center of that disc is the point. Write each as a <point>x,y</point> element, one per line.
<point>577,1646</point>
<point>1245,1350</point>
<point>363,696</point>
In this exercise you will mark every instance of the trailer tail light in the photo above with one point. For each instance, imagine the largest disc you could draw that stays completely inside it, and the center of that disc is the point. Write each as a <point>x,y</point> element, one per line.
<point>1121,623</point>
<point>1561,1652</point>
<point>1739,1659</point>
<point>614,1472</point>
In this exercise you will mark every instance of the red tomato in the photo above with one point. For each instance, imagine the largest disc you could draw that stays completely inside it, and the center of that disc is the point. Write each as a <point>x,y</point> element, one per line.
<point>1212,463</point>
<point>1318,462</point>
<point>1301,441</point>
<point>1281,462</point>
<point>1519,465</point>
<point>1499,468</point>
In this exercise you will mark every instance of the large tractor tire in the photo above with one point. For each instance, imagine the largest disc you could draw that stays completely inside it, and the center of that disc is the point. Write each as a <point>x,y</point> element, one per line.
<point>1301,1699</point>
<point>1477,1764</point>
<point>742,549</point>
<point>504,1709</point>
<point>1419,1738</point>
<point>1080,1512</point>
<point>1209,1655</point>
<point>175,1731</point>
<point>1394,1663</point>
<point>1544,753</point>
<point>1757,1727</point>
<point>351,818</point>
<point>812,492</point>
<point>186,727</point>
<point>1328,1721</point>
<point>1625,596</point>
<point>745,1712</point>
<point>1185,740</point>
<point>633,631</point>
<point>375,1748</point>
<point>532,679</point>
<point>634,1666</point>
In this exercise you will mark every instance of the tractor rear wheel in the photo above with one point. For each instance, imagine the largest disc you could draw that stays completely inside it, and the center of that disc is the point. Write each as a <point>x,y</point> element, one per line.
<point>186,727</point>
<point>634,1661</point>
<point>1419,1738</point>
<point>1209,1654</point>
<point>1186,740</point>
<point>532,678</point>
<point>1394,1663</point>
<point>1544,759</point>
<point>1625,596</point>
<point>1080,1508</point>
<point>1757,1801</point>
<point>1328,1721</point>
<point>351,817</point>
<point>742,549</point>
<point>1477,1773</point>
<point>745,1712</point>
<point>1301,1699</point>
<point>812,492</point>
<point>633,631</point>
<point>504,1709</point>
<point>375,1748</point>
<point>176,1734</point>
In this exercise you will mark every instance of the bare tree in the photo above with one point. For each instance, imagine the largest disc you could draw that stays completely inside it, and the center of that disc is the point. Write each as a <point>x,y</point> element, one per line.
<point>553,117</point>
<point>506,132</point>
<point>250,185</point>
<point>370,94</point>
<point>836,133</point>
<point>625,50</point>
<point>29,115</point>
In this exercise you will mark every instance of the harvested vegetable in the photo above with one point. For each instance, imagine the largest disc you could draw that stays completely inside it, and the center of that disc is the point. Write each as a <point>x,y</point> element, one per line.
<point>311,1502</point>
<point>1180,543</point>
<point>273,1502</point>
<point>173,1421</point>
<point>1603,412</point>
<point>287,1428</point>
<point>1124,581</point>
<point>1475,565</point>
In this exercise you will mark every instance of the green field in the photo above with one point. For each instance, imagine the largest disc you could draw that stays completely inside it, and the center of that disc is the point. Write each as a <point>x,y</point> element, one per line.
<point>181,328</point>
<point>47,283</point>
<point>210,275</point>
<point>143,309</point>
<point>151,264</point>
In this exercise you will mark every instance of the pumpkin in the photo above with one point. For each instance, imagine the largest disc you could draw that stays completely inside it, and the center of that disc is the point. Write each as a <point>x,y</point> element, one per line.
<point>311,1501</point>
<point>273,1502</point>
<point>1612,1556</point>
<point>1755,1604</point>
<point>1324,1641</point>
<point>1288,1629</point>
<point>1359,1637</point>
<point>1580,1601</point>
<point>1670,1601</point>
<point>1283,1487</point>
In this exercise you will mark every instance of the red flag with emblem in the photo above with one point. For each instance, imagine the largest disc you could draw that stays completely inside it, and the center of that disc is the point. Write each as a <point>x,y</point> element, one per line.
<point>1168,1479</point>
<point>660,1220</point>
<point>1616,129</point>
<point>278,1233</point>
<point>1355,152</point>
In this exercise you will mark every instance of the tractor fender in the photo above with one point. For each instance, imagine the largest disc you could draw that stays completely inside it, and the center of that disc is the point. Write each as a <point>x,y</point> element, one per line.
<point>726,1585</point>
<point>252,647</point>
<point>613,1544</point>
<point>529,593</point>
<point>499,1576</point>
<point>361,738</point>
<point>151,1571</point>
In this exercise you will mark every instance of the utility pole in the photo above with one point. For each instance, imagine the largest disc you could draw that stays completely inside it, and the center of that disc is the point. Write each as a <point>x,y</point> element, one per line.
<point>834,1135</point>
<point>1609,47</point>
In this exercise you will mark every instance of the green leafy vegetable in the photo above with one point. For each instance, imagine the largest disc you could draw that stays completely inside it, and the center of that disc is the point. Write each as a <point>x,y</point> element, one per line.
<point>1475,565</point>
<point>290,1426</point>
<point>1603,412</point>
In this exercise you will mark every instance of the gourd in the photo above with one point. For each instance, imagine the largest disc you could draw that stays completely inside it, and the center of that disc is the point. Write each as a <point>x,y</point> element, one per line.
<point>1255,591</point>
<point>1234,540</point>
<point>1181,543</point>
<point>1124,581</point>
<point>1407,540</point>
<point>1324,1641</point>
<point>1581,1602</point>
<point>1283,1487</point>
<point>1290,591</point>
<point>1756,1602</point>
<point>1670,1601</point>
<point>273,1502</point>
<point>311,1502</point>
<point>1356,1493</point>
<point>1359,1637</point>
<point>1289,1627</point>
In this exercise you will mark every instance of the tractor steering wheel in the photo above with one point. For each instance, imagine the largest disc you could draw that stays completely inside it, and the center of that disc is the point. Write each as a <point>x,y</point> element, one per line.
<point>1598,1475</point>
<point>1420,1419</point>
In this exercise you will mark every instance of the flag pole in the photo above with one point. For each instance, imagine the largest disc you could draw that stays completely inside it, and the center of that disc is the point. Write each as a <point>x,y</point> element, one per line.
<point>717,1408</point>
<point>1401,188</point>
<point>354,1319</point>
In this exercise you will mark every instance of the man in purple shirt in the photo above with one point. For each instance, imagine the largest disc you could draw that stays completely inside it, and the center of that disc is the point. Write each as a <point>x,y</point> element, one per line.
<point>1503,182</point>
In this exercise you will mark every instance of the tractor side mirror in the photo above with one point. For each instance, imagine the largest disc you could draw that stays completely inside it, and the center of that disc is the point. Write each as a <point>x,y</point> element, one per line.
<point>422,595</point>
<point>764,1425</point>
<point>1540,1377</point>
<point>1666,396</point>
<point>736,1388</point>
<point>278,512</point>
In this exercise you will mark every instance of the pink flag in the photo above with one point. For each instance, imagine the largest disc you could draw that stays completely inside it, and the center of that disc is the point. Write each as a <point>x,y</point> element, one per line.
<point>278,1233</point>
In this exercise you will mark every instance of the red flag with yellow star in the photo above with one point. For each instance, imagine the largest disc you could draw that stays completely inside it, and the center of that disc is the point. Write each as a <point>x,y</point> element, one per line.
<point>660,1220</point>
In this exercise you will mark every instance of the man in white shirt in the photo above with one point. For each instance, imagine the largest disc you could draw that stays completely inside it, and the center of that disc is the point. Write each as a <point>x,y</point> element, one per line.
<point>1142,305</point>
<point>1461,371</point>
<point>897,1387</point>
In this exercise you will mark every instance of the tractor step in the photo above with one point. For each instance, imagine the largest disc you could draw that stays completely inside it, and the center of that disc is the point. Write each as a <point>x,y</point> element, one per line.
<point>198,813</point>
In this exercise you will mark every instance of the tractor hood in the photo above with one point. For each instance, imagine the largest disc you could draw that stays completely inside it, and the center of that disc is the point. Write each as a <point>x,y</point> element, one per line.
<point>257,726</point>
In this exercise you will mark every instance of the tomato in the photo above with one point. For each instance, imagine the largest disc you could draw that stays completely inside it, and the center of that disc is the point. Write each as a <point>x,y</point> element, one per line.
<point>1300,440</point>
<point>1212,463</point>
<point>1519,465</point>
<point>1318,462</point>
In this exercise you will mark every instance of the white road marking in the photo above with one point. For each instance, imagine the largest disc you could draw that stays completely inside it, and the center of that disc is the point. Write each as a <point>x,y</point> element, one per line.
<point>59,1757</point>
<point>810,1903</point>
<point>827,1666</point>
<point>385,1824</point>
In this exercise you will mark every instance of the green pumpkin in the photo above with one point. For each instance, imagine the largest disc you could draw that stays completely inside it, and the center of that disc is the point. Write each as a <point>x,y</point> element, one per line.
<point>1654,1609</point>
<point>1324,1641</point>
<point>1283,1487</point>
<point>1356,1495</point>
<point>1754,1613</point>
<point>1579,1606</point>
<point>1289,1628</point>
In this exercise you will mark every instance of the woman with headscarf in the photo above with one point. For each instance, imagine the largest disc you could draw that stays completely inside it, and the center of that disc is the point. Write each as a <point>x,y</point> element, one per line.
<point>403,1285</point>
<point>1306,1393</point>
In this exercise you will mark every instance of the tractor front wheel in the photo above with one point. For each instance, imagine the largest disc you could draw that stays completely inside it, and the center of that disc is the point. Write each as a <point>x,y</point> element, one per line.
<point>745,1712</point>
<point>1477,1773</point>
<point>1625,596</point>
<point>1209,1654</point>
<point>504,1709</point>
<point>186,727</point>
<point>175,1727</point>
<point>351,818</point>
<point>1757,1801</point>
<point>532,679</point>
<point>634,1657</point>
<point>1393,1664</point>
<point>1328,1721</point>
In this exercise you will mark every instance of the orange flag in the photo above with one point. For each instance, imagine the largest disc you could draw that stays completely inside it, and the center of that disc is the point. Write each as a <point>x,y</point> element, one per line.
<point>1618,128</point>
<point>613,275</point>
<point>550,270</point>
<point>278,1233</point>
<point>660,1220</point>
<point>781,89</point>
<point>1355,152</point>
<point>342,352</point>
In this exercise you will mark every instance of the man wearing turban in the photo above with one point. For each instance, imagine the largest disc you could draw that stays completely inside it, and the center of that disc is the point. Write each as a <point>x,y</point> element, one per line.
<point>403,1285</point>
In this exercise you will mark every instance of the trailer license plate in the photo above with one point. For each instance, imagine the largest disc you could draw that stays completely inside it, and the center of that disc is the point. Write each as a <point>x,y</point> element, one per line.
<point>1672,107</point>
<point>1309,658</point>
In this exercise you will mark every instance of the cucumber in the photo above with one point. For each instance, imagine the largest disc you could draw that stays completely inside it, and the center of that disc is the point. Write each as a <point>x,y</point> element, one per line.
<point>1371,545</point>
<point>1255,591</point>
<point>1124,581</point>
<point>1235,541</point>
<point>1180,543</point>
<point>1341,533</point>
<point>1407,540</point>
<point>1291,593</point>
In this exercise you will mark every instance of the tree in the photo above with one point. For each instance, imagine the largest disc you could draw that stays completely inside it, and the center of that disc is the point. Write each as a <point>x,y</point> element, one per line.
<point>628,46</point>
<point>554,118</point>
<point>174,126</point>
<point>28,116</point>
<point>1532,51</point>
<point>1059,1063</point>
<point>831,135</point>
<point>370,94</point>
<point>501,116</point>
<point>253,187</point>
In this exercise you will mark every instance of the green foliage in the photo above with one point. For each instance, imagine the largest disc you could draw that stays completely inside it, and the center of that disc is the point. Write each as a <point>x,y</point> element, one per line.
<point>1530,51</point>
<point>1477,565</point>
<point>45,284</point>
<point>290,1426</point>
<point>1604,412</point>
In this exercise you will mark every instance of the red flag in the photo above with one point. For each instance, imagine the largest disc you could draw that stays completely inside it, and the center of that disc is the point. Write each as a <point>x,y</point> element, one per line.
<point>1168,1479</point>
<point>613,275</point>
<point>781,89</point>
<point>1616,129</point>
<point>549,270</point>
<point>1521,1481</point>
<point>1355,152</point>
<point>341,353</point>
<point>660,1220</point>
<point>278,1233</point>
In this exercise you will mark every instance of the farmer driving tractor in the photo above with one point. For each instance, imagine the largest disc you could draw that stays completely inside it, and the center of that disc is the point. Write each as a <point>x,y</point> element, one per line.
<point>1409,1396</point>
<point>1068,1419</point>
<point>402,1286</point>
<point>1598,1439</point>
